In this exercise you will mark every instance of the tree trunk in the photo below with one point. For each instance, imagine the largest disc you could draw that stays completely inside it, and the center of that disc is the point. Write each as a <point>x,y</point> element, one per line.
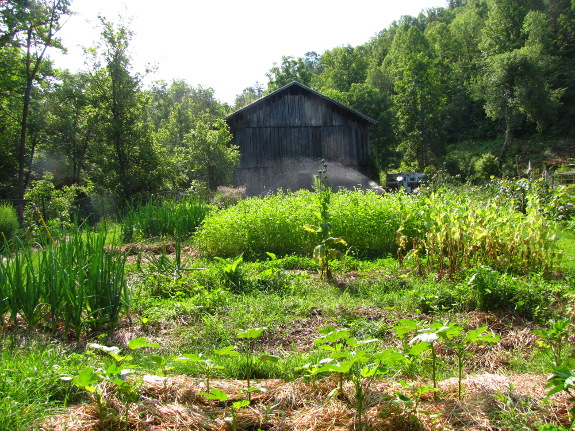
<point>506,141</point>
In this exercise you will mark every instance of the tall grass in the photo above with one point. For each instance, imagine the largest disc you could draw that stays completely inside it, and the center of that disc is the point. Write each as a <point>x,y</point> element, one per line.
<point>160,218</point>
<point>75,283</point>
<point>367,221</point>
<point>30,386</point>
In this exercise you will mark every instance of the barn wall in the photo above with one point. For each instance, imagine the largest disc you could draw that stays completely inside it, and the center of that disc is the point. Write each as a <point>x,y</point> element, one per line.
<point>295,124</point>
<point>298,124</point>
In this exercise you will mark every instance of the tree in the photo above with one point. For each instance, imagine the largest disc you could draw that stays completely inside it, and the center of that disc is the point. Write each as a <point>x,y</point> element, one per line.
<point>377,105</point>
<point>73,112</point>
<point>417,96</point>
<point>30,26</point>
<point>342,67</point>
<point>249,95</point>
<point>515,81</point>
<point>291,69</point>
<point>206,155</point>
<point>126,161</point>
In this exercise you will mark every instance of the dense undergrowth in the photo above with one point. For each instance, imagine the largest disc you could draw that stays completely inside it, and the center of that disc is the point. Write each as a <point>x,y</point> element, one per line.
<point>501,257</point>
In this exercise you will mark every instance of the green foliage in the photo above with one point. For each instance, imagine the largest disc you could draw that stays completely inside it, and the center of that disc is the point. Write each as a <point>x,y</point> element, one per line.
<point>232,272</point>
<point>327,250</point>
<point>30,384</point>
<point>555,339</point>
<point>205,155</point>
<point>8,222</point>
<point>486,167</point>
<point>457,233</point>
<point>77,283</point>
<point>159,218</point>
<point>355,361</point>
<point>417,88</point>
<point>55,205</point>
<point>367,221</point>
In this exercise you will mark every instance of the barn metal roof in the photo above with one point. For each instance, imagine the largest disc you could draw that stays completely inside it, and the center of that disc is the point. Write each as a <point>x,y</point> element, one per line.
<point>295,83</point>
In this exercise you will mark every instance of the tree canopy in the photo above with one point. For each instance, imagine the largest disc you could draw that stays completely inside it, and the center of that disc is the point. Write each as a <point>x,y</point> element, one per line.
<point>438,84</point>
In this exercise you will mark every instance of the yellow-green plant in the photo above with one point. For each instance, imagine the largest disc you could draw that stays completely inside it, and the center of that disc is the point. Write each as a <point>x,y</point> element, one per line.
<point>327,250</point>
<point>460,232</point>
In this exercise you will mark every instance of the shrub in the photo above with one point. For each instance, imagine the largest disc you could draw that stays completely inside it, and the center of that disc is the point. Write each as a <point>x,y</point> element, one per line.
<point>8,222</point>
<point>486,166</point>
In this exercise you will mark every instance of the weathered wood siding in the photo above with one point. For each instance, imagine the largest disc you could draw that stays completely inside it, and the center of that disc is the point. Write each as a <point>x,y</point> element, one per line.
<point>296,125</point>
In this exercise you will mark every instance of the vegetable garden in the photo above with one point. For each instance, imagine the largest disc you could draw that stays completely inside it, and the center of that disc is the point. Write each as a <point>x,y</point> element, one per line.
<point>446,309</point>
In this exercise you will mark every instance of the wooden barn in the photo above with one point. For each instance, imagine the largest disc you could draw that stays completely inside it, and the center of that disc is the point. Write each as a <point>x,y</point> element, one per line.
<point>283,136</point>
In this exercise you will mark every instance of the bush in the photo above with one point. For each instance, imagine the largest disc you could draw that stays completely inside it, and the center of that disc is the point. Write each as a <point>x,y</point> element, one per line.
<point>486,166</point>
<point>8,222</point>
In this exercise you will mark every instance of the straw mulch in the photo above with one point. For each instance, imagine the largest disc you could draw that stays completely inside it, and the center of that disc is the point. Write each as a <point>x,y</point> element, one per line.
<point>175,404</point>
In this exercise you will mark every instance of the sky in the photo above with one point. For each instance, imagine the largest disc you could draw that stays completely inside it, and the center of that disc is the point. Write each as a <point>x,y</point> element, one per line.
<point>228,45</point>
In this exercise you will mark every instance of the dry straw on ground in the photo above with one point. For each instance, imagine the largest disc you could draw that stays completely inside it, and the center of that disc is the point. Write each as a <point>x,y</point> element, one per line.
<point>303,406</point>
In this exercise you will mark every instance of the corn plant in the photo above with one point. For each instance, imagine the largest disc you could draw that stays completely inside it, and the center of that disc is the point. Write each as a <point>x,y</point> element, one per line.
<point>456,232</point>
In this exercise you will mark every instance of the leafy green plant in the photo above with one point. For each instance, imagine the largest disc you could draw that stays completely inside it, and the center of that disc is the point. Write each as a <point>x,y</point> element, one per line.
<point>462,342</point>
<point>413,400</point>
<point>231,269</point>
<point>121,373</point>
<point>218,395</point>
<point>251,335</point>
<point>207,364</point>
<point>554,339</point>
<point>77,282</point>
<point>352,360</point>
<point>8,223</point>
<point>159,218</point>
<point>427,338</point>
<point>563,379</point>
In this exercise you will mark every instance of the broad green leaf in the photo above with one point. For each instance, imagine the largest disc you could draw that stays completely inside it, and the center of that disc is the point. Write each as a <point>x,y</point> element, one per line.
<point>269,358</point>
<point>215,394</point>
<point>227,351</point>
<point>251,333</point>
<point>239,404</point>
<point>141,342</point>
<point>86,379</point>
<point>192,357</point>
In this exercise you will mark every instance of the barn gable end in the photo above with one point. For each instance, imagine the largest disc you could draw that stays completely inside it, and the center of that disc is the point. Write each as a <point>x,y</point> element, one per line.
<point>290,130</point>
